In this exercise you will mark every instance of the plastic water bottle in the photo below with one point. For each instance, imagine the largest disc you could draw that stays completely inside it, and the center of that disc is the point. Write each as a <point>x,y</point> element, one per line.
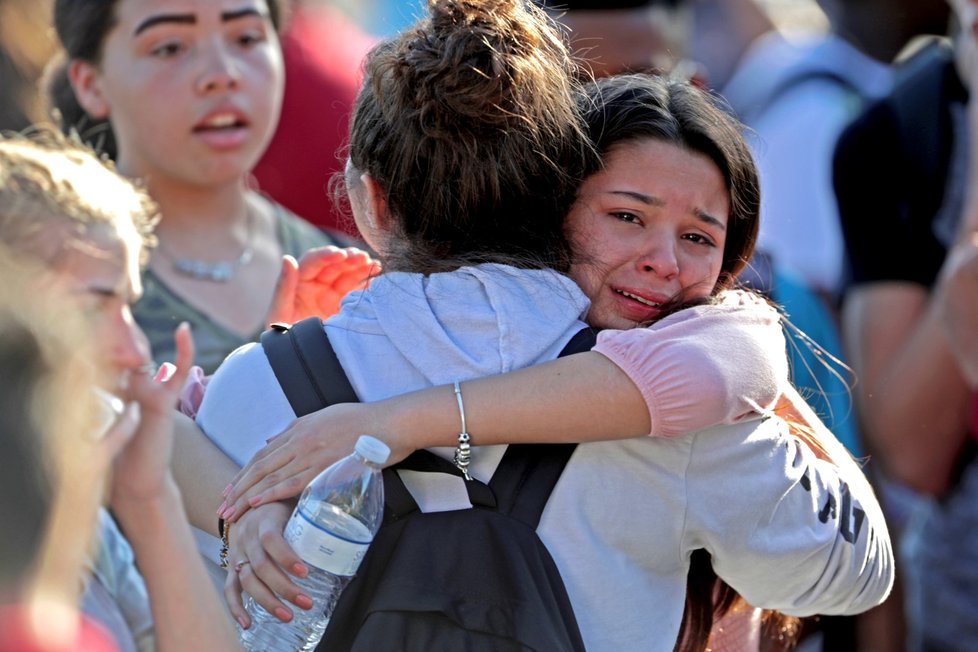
<point>331,528</point>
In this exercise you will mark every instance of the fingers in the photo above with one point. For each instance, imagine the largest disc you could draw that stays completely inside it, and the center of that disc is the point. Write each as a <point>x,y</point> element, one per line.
<point>354,279</point>
<point>263,578</point>
<point>158,394</point>
<point>258,590</point>
<point>283,485</point>
<point>357,263</point>
<point>323,264</point>
<point>283,301</point>
<point>232,595</point>
<point>121,431</point>
<point>315,261</point>
<point>326,274</point>
<point>253,473</point>
<point>273,444</point>
<point>256,477</point>
<point>184,340</point>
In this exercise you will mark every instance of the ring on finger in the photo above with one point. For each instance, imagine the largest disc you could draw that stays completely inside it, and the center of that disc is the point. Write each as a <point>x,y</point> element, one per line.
<point>240,564</point>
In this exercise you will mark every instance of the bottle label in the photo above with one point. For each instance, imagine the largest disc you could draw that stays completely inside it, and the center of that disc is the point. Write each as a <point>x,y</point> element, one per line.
<point>323,549</point>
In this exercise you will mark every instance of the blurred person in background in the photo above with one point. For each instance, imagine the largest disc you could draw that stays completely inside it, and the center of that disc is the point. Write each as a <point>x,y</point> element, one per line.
<point>625,35</point>
<point>47,373</point>
<point>777,76</point>
<point>817,75</point>
<point>81,232</point>
<point>322,50</point>
<point>905,181</point>
<point>184,95</point>
<point>25,46</point>
<point>819,80</point>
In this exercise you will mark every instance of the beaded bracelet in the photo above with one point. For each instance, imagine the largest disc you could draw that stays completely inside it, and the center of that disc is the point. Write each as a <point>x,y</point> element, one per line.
<point>224,529</point>
<point>463,453</point>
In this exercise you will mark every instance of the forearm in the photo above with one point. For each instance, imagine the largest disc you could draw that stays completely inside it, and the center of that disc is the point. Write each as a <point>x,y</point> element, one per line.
<point>920,407</point>
<point>654,384</point>
<point>795,533</point>
<point>580,398</point>
<point>202,471</point>
<point>912,399</point>
<point>186,610</point>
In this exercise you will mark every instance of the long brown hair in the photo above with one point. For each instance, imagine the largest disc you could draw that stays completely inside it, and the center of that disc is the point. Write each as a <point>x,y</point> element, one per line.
<point>627,108</point>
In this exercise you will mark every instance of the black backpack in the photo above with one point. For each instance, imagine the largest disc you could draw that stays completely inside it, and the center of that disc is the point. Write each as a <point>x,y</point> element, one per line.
<point>476,580</point>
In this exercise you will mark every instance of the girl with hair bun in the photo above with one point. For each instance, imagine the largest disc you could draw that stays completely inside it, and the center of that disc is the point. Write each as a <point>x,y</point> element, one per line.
<point>184,95</point>
<point>466,145</point>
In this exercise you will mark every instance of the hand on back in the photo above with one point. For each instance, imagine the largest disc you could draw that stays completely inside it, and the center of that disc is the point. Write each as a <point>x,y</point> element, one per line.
<point>315,285</point>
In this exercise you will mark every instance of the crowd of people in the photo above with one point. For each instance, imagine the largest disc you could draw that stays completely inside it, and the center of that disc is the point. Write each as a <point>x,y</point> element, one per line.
<point>777,420</point>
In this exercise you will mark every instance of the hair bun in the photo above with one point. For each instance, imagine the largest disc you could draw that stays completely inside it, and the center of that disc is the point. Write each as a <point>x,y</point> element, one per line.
<point>468,122</point>
<point>473,68</point>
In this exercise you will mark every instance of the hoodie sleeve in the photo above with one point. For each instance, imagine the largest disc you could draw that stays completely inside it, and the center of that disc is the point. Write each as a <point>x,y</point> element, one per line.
<point>786,530</point>
<point>705,365</point>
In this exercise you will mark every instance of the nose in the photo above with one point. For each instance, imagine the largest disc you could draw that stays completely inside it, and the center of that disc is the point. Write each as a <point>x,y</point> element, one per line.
<point>126,345</point>
<point>219,72</point>
<point>659,259</point>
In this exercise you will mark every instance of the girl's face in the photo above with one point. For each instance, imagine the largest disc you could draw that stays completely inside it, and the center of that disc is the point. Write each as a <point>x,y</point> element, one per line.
<point>647,228</point>
<point>96,270</point>
<point>193,88</point>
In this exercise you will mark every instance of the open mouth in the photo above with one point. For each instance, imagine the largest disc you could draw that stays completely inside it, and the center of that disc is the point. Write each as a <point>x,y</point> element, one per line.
<point>635,297</point>
<point>221,122</point>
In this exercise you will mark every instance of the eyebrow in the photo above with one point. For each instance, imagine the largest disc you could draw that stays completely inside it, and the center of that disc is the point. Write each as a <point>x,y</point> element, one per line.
<point>651,200</point>
<point>191,19</point>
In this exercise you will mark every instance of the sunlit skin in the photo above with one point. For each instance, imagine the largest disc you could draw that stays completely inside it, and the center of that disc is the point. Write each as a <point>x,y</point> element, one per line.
<point>653,236</point>
<point>192,88</point>
<point>94,269</point>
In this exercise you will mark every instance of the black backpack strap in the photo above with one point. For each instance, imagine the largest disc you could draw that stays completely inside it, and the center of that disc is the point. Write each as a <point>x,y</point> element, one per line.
<point>523,481</point>
<point>583,340</point>
<point>528,473</point>
<point>398,499</point>
<point>306,366</point>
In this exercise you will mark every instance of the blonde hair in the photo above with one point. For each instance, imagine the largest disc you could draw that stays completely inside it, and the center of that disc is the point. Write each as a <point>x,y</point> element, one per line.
<point>46,411</point>
<point>46,178</point>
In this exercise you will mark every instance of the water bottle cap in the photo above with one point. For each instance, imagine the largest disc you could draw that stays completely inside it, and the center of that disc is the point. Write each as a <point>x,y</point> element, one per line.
<point>373,449</point>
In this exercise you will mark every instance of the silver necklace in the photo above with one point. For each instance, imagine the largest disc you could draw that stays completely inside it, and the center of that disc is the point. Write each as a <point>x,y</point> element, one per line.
<point>219,272</point>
